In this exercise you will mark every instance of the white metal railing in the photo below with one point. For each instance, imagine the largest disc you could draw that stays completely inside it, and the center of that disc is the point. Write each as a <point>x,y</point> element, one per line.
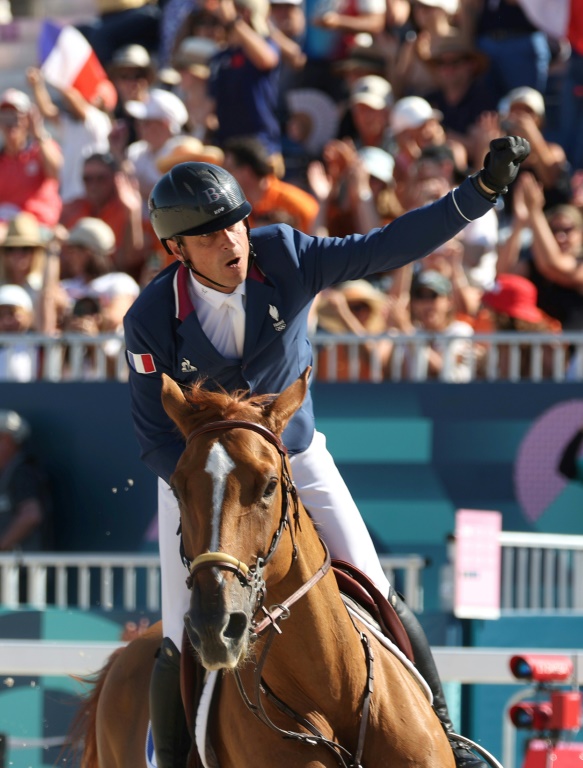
<point>486,357</point>
<point>540,572</point>
<point>129,581</point>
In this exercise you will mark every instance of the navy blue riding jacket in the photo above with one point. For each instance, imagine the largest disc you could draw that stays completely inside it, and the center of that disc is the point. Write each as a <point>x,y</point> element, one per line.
<point>163,333</point>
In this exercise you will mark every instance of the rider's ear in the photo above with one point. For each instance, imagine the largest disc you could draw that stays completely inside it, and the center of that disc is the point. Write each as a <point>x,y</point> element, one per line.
<point>280,410</point>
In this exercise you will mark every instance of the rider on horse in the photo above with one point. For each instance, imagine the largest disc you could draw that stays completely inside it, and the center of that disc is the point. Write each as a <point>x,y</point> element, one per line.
<point>233,311</point>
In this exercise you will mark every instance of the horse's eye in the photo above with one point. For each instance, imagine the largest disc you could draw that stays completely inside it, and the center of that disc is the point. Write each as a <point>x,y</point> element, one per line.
<point>270,487</point>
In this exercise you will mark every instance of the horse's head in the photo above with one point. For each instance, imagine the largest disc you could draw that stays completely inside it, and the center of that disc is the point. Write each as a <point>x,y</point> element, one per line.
<point>233,487</point>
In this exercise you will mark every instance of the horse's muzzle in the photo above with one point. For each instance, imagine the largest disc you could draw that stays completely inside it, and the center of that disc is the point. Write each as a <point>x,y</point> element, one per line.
<point>218,624</point>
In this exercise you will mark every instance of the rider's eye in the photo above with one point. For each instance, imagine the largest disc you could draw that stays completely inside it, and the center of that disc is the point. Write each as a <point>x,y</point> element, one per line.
<point>270,488</point>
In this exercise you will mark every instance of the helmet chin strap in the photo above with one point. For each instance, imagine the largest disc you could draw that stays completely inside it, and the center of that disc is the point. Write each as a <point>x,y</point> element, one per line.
<point>188,264</point>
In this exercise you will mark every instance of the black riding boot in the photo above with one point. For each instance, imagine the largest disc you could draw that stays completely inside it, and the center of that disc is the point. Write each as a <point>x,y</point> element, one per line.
<point>169,730</point>
<point>425,663</point>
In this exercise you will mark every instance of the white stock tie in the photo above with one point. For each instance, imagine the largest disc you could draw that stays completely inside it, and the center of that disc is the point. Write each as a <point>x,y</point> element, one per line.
<point>236,314</point>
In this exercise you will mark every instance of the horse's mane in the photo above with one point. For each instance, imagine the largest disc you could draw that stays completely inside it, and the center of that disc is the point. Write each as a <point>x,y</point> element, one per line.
<point>240,404</point>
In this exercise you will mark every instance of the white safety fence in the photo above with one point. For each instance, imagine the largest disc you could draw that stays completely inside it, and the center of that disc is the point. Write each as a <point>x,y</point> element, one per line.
<point>463,666</point>
<point>508,356</point>
<point>129,581</point>
<point>541,572</point>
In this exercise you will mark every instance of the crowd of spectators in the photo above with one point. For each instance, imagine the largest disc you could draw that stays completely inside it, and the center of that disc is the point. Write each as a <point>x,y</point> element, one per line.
<point>335,117</point>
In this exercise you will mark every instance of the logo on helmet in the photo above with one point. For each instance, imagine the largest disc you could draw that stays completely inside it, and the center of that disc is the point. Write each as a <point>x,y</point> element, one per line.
<point>212,194</point>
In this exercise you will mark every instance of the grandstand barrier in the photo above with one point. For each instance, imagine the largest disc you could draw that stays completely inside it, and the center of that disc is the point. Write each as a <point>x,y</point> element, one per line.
<point>74,357</point>
<point>541,572</point>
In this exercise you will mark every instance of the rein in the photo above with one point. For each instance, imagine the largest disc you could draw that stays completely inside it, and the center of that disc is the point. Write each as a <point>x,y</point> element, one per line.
<point>252,576</point>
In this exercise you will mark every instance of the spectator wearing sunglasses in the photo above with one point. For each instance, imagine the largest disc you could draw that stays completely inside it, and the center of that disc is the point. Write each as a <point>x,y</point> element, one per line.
<point>112,196</point>
<point>554,259</point>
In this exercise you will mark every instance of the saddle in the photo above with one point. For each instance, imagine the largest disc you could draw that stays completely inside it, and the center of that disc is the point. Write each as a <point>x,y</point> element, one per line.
<point>352,583</point>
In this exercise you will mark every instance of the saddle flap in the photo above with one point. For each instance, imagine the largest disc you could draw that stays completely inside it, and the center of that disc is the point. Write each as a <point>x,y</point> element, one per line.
<point>357,585</point>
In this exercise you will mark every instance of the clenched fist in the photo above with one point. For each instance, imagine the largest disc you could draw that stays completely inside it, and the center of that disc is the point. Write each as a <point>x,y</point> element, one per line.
<point>502,161</point>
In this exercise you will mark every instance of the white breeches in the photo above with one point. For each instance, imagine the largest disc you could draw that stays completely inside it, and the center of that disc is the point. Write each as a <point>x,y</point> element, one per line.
<point>322,491</point>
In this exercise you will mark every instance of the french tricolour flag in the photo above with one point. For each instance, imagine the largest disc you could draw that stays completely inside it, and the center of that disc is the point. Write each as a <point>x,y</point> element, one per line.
<point>141,363</point>
<point>67,60</point>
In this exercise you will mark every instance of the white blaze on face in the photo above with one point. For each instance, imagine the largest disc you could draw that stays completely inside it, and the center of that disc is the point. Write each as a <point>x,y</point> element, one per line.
<point>219,464</point>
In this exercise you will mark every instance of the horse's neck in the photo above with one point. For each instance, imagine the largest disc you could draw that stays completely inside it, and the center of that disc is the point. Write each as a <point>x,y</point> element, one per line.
<point>319,635</point>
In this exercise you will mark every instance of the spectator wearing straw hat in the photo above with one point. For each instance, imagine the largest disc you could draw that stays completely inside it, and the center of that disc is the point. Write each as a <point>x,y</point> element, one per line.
<point>88,271</point>
<point>24,489</point>
<point>30,161</point>
<point>23,259</point>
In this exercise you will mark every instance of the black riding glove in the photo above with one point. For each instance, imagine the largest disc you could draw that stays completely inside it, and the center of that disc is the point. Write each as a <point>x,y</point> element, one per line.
<point>501,164</point>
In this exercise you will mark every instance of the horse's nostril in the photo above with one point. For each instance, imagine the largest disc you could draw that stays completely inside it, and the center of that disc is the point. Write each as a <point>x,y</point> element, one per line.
<point>236,626</point>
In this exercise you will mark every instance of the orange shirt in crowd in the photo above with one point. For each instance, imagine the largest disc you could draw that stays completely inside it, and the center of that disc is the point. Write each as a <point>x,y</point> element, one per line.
<point>279,195</point>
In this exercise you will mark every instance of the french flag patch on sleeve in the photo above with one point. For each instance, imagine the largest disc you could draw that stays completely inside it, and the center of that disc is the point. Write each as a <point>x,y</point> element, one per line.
<point>141,363</point>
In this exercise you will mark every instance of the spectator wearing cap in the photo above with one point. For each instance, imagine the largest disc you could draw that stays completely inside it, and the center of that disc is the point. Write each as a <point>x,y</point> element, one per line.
<point>19,361</point>
<point>431,310</point>
<point>380,166</point>
<point>248,161</point>
<point>112,196</point>
<point>522,113</point>
<point>82,127</point>
<point>415,125</point>
<point>244,81</point>
<point>23,259</point>
<point>30,162</point>
<point>88,272</point>
<point>158,119</point>
<point>25,503</point>
<point>132,72</point>
<point>122,22</point>
<point>370,102</point>
<point>512,305</point>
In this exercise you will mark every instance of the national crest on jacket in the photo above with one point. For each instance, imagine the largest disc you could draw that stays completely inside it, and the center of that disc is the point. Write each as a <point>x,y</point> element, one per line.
<point>279,325</point>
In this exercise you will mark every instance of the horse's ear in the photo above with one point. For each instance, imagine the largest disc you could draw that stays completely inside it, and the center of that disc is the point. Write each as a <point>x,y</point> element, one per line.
<point>280,410</point>
<point>175,404</point>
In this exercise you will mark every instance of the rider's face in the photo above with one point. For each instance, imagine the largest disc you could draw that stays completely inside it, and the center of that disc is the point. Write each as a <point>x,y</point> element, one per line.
<point>222,256</point>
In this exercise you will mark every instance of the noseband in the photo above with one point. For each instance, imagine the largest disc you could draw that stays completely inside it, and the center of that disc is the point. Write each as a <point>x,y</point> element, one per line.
<point>251,575</point>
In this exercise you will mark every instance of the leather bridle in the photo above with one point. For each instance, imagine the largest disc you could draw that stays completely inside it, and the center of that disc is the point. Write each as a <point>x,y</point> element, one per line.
<point>252,576</point>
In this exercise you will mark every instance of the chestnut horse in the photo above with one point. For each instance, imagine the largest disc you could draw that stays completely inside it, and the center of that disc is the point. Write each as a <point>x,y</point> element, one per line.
<point>297,692</point>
